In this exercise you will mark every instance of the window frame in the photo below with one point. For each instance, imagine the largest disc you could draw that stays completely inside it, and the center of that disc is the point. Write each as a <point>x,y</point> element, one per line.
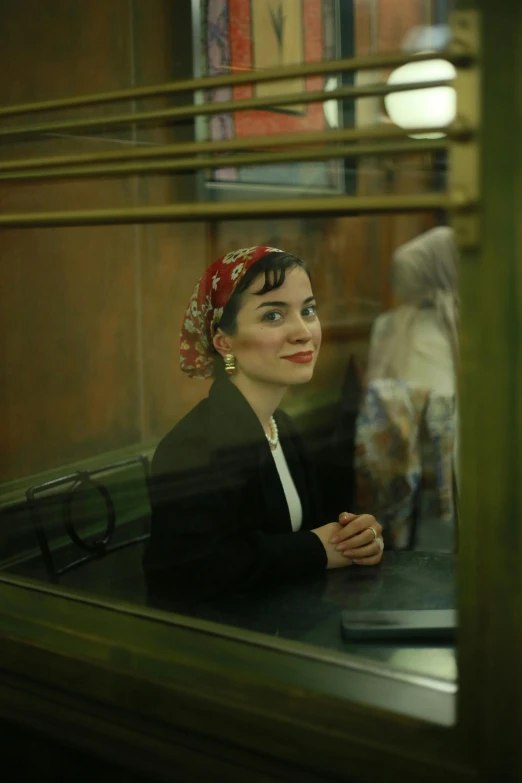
<point>170,696</point>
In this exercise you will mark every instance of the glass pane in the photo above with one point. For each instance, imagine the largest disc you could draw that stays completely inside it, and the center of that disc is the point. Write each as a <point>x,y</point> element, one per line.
<point>218,497</point>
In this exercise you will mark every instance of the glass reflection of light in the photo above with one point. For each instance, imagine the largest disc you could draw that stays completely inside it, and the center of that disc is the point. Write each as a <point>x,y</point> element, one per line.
<point>434,107</point>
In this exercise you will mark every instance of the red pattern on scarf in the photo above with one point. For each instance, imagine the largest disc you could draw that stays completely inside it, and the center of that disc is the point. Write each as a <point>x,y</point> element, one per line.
<point>205,309</point>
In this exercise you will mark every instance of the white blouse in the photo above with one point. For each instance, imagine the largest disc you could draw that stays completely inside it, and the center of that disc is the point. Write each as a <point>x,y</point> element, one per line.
<point>430,360</point>
<point>292,497</point>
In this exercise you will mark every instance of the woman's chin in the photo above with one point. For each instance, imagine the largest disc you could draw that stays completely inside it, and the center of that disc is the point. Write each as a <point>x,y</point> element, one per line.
<point>301,373</point>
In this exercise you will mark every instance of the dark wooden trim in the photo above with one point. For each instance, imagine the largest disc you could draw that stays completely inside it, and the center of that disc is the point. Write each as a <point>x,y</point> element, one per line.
<point>244,693</point>
<point>490,542</point>
<point>115,736</point>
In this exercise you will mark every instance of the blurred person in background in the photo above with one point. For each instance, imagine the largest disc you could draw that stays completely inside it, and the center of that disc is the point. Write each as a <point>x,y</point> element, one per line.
<point>406,432</point>
<point>417,342</point>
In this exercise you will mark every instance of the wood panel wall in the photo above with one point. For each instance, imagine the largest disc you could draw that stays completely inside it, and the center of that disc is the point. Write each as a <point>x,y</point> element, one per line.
<point>90,317</point>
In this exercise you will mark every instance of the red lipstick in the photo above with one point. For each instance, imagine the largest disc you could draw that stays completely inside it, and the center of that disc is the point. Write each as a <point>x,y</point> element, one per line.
<point>303,357</point>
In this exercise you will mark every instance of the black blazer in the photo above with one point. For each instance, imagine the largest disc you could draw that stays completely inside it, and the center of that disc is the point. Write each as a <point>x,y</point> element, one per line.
<point>220,520</point>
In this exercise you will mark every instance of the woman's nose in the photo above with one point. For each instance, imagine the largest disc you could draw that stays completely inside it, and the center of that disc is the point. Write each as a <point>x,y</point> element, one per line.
<point>300,333</point>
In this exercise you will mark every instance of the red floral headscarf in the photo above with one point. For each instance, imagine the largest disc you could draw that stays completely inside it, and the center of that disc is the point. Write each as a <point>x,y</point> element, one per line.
<point>205,309</point>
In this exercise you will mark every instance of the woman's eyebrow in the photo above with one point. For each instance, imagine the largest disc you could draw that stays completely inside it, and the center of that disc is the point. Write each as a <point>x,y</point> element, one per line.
<point>283,304</point>
<point>272,304</point>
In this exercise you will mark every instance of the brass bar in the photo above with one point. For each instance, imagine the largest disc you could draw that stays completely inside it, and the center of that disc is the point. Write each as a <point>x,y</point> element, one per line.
<point>216,162</point>
<point>366,63</point>
<point>241,210</point>
<point>387,132</point>
<point>181,113</point>
<point>465,159</point>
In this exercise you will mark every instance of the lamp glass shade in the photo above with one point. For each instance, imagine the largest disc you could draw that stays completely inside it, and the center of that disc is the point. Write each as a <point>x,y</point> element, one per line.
<point>434,107</point>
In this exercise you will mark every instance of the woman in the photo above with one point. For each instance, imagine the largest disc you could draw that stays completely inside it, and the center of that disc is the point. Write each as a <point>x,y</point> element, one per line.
<point>235,503</point>
<point>417,342</point>
<point>406,438</point>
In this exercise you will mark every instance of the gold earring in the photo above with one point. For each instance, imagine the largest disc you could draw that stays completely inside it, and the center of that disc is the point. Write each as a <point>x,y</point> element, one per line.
<point>230,363</point>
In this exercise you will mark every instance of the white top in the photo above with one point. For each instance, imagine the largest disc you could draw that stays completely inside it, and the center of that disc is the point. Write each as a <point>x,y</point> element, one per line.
<point>292,498</point>
<point>431,360</point>
<point>429,364</point>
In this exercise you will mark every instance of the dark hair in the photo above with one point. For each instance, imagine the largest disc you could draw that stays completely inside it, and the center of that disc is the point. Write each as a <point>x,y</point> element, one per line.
<point>274,266</point>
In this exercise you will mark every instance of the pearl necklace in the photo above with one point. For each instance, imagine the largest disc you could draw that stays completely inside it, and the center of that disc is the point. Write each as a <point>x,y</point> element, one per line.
<point>274,440</point>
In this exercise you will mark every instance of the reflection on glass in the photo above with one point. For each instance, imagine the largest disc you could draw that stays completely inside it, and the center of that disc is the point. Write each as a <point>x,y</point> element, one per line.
<point>433,107</point>
<point>406,430</point>
<point>242,36</point>
<point>91,379</point>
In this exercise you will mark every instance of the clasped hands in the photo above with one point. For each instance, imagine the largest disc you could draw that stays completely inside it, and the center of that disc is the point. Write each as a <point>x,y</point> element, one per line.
<point>353,539</point>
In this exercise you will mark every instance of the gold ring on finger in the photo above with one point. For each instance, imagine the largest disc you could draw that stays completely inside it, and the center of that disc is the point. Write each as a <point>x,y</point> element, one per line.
<point>374,534</point>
